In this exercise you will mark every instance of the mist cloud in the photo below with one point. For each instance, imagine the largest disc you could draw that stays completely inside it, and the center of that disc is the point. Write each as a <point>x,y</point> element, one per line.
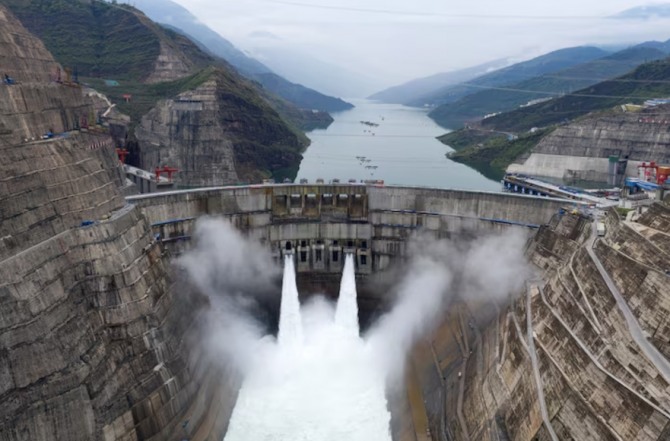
<point>232,270</point>
<point>396,47</point>
<point>489,268</point>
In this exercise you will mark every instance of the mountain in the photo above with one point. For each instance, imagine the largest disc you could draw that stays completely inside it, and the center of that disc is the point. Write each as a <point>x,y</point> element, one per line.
<point>224,128</point>
<point>102,40</point>
<point>590,118</point>
<point>509,97</point>
<point>650,80</point>
<point>551,62</point>
<point>301,67</point>
<point>645,12</point>
<point>181,20</point>
<point>663,46</point>
<point>170,13</point>
<point>409,91</point>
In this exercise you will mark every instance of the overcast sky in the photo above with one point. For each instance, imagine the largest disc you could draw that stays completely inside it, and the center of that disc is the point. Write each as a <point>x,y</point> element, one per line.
<point>421,37</point>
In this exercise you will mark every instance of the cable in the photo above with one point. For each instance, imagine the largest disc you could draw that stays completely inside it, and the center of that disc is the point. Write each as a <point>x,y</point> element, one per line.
<point>599,80</point>
<point>438,14</point>
<point>557,94</point>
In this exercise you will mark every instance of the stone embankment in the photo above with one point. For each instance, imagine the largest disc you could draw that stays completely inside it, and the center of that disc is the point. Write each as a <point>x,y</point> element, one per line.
<point>580,150</point>
<point>94,343</point>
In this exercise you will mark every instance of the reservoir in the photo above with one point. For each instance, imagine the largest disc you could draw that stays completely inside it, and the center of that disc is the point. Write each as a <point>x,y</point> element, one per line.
<point>390,142</point>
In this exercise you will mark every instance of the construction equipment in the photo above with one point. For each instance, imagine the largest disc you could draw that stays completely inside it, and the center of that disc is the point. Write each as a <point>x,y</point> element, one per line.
<point>167,170</point>
<point>122,153</point>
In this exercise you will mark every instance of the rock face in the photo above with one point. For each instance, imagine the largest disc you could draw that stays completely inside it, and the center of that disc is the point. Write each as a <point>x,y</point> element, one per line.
<point>579,356</point>
<point>35,104</point>
<point>581,149</point>
<point>93,340</point>
<point>238,135</point>
<point>219,133</point>
<point>170,65</point>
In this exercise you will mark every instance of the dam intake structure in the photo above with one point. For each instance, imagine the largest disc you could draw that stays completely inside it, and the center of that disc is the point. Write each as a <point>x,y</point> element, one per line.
<point>320,385</point>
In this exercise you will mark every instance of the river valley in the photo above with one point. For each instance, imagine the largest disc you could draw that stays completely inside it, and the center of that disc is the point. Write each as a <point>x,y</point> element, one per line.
<point>390,142</point>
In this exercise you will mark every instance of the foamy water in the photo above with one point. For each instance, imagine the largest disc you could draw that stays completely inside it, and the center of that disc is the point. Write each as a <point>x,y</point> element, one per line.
<point>290,323</point>
<point>346,314</point>
<point>320,382</point>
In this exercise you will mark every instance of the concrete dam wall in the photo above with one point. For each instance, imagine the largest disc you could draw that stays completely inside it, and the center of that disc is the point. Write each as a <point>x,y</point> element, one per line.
<point>319,222</point>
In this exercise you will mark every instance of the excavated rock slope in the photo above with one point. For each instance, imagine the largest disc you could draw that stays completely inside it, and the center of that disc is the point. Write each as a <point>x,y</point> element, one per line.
<point>580,355</point>
<point>581,149</point>
<point>93,339</point>
<point>219,133</point>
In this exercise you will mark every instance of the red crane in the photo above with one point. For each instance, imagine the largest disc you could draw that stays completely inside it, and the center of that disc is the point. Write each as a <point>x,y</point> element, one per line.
<point>167,170</point>
<point>122,155</point>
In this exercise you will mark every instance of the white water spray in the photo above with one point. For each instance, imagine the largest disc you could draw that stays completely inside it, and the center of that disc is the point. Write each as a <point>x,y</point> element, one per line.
<point>327,385</point>
<point>346,313</point>
<point>290,324</point>
<point>318,386</point>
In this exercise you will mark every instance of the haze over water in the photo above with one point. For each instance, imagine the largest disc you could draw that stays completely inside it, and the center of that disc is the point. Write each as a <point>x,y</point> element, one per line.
<point>403,147</point>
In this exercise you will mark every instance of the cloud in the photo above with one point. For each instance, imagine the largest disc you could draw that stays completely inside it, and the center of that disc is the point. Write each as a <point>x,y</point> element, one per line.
<point>264,35</point>
<point>488,269</point>
<point>396,46</point>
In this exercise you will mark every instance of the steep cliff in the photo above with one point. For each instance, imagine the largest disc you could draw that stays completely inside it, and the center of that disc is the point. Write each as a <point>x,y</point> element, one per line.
<point>93,339</point>
<point>143,67</point>
<point>579,150</point>
<point>177,17</point>
<point>99,39</point>
<point>219,133</point>
<point>583,353</point>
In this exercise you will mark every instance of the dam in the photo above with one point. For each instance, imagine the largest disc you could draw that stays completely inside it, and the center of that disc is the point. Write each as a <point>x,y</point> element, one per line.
<point>104,336</point>
<point>316,226</point>
<point>320,221</point>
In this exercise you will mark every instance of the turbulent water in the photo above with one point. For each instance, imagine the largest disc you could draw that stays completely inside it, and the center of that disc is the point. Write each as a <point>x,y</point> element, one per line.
<point>290,325</point>
<point>346,314</point>
<point>399,147</point>
<point>320,382</point>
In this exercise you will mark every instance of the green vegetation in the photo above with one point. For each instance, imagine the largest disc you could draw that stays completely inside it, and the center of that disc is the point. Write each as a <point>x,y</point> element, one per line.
<point>145,96</point>
<point>623,212</point>
<point>461,139</point>
<point>103,41</point>
<point>94,38</point>
<point>505,98</point>
<point>551,62</point>
<point>300,95</point>
<point>492,156</point>
<point>649,80</point>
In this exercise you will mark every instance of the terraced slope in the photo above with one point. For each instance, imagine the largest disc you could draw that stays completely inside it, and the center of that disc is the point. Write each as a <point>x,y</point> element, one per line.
<point>92,338</point>
<point>583,353</point>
